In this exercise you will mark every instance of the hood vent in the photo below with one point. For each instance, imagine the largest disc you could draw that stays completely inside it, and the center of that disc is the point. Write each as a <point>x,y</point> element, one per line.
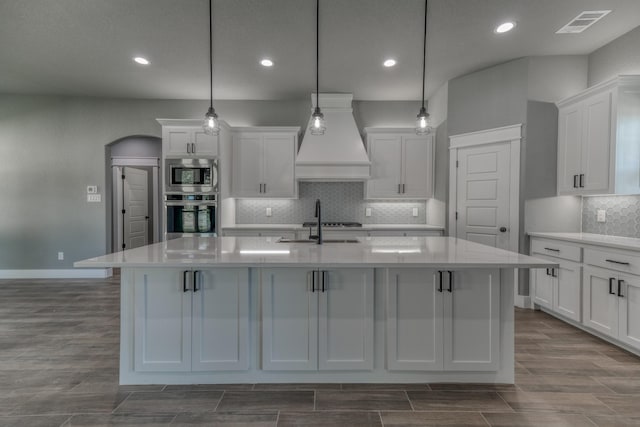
<point>339,154</point>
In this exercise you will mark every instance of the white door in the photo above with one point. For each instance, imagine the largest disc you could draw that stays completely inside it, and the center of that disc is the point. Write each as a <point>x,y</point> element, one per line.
<point>136,207</point>
<point>279,160</point>
<point>345,328</point>
<point>289,320</point>
<point>220,330</point>
<point>483,193</point>
<point>414,320</point>
<point>567,293</point>
<point>472,320</point>
<point>247,165</point>
<point>569,148</point>
<point>162,334</point>
<point>629,310</point>
<point>543,285</point>
<point>596,142</point>
<point>385,153</point>
<point>417,167</point>
<point>599,300</point>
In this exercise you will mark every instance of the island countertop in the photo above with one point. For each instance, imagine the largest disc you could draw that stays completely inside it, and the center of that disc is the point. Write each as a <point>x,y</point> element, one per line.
<point>444,252</point>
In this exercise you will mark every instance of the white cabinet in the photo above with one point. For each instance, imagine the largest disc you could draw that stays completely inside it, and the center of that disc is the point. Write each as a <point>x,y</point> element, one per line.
<point>317,319</point>
<point>442,320</point>
<point>629,310</point>
<point>263,163</point>
<point>191,320</point>
<point>597,149</point>
<point>186,138</point>
<point>402,164</point>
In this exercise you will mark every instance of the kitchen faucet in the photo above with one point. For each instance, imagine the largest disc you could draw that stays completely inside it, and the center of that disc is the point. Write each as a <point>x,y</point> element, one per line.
<point>319,216</point>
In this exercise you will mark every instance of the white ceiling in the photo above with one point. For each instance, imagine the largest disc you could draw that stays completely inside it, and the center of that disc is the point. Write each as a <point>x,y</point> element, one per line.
<point>84,47</point>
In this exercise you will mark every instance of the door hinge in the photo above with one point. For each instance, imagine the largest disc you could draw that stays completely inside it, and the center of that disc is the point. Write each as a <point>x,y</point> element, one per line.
<point>123,211</point>
<point>457,163</point>
<point>122,176</point>
<point>456,216</point>
<point>124,246</point>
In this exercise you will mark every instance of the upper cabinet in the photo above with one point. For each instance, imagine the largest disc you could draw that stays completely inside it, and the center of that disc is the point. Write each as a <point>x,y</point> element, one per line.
<point>186,138</point>
<point>263,162</point>
<point>402,164</point>
<point>598,139</point>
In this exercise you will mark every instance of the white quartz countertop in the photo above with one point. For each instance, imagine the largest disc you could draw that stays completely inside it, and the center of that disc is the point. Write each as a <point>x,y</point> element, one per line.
<point>443,252</point>
<point>364,227</point>
<point>593,239</point>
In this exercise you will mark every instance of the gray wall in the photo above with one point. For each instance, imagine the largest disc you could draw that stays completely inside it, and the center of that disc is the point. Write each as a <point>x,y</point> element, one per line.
<point>540,150</point>
<point>552,78</point>
<point>621,56</point>
<point>62,142</point>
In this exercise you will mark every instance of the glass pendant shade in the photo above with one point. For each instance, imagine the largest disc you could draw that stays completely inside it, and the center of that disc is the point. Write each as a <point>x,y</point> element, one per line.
<point>318,125</point>
<point>211,125</point>
<point>423,125</point>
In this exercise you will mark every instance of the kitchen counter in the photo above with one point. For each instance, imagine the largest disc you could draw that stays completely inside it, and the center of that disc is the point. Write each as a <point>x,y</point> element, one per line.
<point>616,242</point>
<point>444,252</point>
<point>366,227</point>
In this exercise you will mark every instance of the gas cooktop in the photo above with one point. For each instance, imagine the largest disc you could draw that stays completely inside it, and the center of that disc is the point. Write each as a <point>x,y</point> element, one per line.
<point>333,224</point>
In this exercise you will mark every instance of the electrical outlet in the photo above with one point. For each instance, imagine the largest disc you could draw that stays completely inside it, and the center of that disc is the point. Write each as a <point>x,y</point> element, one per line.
<point>92,189</point>
<point>268,212</point>
<point>601,215</point>
<point>94,198</point>
<point>60,256</point>
<point>415,212</point>
<point>367,212</point>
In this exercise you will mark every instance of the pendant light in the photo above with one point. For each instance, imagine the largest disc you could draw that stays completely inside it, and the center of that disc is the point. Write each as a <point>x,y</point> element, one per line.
<point>211,125</point>
<point>423,126</point>
<point>318,125</point>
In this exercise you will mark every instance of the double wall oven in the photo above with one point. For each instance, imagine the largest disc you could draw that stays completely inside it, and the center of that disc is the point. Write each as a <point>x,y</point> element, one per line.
<point>191,197</point>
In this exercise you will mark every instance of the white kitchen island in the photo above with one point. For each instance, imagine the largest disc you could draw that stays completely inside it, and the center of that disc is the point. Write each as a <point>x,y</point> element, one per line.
<point>253,310</point>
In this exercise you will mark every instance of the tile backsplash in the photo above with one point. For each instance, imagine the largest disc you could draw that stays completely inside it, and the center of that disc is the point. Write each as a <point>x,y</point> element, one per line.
<point>622,215</point>
<point>341,201</point>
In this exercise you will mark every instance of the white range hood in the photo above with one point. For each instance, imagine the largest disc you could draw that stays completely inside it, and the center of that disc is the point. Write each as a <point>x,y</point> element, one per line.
<point>339,154</point>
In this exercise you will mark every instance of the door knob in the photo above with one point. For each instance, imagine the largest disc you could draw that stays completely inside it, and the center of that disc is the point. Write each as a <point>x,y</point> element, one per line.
<point>503,229</point>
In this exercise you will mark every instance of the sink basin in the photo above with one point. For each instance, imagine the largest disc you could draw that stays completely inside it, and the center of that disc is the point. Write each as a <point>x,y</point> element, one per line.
<point>283,240</point>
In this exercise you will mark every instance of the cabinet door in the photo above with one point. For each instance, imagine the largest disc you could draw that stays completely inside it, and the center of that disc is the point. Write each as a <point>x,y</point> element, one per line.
<point>596,142</point>
<point>247,165</point>
<point>414,320</point>
<point>599,305</point>
<point>289,320</point>
<point>221,320</point>
<point>345,329</point>
<point>472,321</point>
<point>175,140</point>
<point>567,293</point>
<point>204,145</point>
<point>417,161</point>
<point>629,310</point>
<point>162,337</point>
<point>279,164</point>
<point>385,153</point>
<point>543,286</point>
<point>569,148</point>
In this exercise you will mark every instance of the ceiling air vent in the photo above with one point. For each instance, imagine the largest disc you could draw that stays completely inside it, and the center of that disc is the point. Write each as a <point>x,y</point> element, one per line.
<point>583,21</point>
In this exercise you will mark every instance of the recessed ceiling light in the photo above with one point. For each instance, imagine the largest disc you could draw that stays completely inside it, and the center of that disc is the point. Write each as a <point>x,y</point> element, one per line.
<point>266,63</point>
<point>140,60</point>
<point>389,63</point>
<point>505,27</point>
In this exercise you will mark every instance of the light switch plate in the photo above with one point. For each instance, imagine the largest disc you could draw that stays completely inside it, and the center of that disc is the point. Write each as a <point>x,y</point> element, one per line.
<point>415,212</point>
<point>60,256</point>
<point>367,212</point>
<point>94,198</point>
<point>601,215</point>
<point>92,189</point>
<point>268,212</point>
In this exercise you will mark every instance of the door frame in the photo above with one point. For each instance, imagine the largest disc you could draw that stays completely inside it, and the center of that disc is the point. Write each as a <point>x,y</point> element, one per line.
<point>117,163</point>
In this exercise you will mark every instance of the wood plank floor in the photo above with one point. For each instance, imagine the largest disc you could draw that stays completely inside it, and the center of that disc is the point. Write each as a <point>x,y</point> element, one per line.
<point>59,365</point>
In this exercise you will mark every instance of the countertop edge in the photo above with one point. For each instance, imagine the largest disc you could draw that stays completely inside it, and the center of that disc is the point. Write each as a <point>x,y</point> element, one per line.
<point>589,240</point>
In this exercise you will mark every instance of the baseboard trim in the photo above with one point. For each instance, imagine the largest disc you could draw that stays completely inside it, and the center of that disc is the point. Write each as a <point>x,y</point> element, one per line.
<point>89,273</point>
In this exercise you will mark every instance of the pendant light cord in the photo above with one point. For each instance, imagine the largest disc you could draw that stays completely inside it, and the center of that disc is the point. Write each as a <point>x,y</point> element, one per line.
<point>424,50</point>
<point>210,57</point>
<point>317,53</point>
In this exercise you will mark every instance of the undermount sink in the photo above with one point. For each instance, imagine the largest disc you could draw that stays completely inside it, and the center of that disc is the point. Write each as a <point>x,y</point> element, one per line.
<point>283,240</point>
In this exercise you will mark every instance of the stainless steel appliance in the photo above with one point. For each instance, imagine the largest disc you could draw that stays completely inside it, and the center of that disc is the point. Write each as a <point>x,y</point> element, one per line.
<point>191,176</point>
<point>190,215</point>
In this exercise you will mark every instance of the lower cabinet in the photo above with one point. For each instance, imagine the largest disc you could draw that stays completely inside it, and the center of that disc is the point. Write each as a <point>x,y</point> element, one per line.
<point>442,320</point>
<point>559,289</point>
<point>191,320</point>
<point>317,319</point>
<point>612,304</point>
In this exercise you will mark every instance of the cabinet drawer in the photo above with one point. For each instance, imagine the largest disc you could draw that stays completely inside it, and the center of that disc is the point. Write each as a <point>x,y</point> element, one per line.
<point>556,249</point>
<point>619,260</point>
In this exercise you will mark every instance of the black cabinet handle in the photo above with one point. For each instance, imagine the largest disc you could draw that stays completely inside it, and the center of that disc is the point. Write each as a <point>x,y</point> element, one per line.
<point>553,250</point>
<point>196,275</point>
<point>553,272</point>
<point>581,180</point>
<point>611,281</point>
<point>323,280</point>
<point>313,281</point>
<point>440,280</point>
<point>184,281</point>
<point>575,178</point>
<point>548,274</point>
<point>450,281</point>
<point>617,262</point>
<point>620,282</point>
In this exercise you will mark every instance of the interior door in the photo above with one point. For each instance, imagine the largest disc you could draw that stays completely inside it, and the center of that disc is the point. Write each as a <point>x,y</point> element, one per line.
<point>136,207</point>
<point>483,193</point>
